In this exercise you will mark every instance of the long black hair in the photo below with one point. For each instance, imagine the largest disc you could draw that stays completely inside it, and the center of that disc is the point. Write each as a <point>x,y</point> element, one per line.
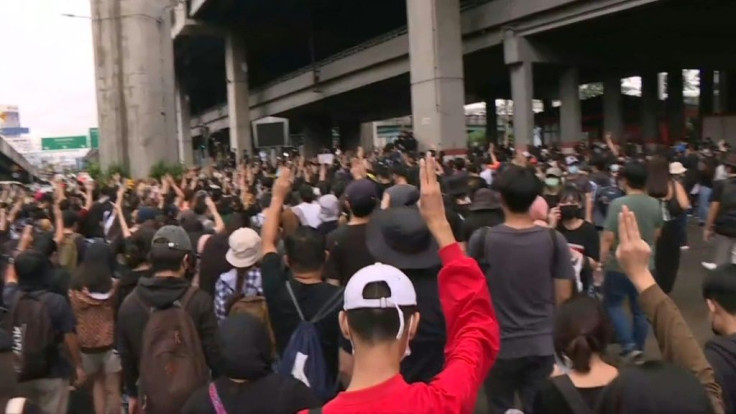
<point>96,270</point>
<point>659,177</point>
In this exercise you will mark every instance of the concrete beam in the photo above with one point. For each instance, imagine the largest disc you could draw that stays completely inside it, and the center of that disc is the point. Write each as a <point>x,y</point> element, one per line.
<point>197,6</point>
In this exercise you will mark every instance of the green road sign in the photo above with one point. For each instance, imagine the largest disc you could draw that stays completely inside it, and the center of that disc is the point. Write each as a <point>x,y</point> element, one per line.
<point>64,143</point>
<point>94,138</point>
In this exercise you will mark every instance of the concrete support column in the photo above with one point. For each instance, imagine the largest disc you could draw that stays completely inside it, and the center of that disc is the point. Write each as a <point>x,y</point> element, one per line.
<point>491,121</point>
<point>350,135</point>
<point>522,91</point>
<point>613,119</point>
<point>238,105</point>
<point>706,100</point>
<point>570,112</point>
<point>675,106</point>
<point>437,87</point>
<point>650,106</point>
<point>317,135</point>
<point>134,74</point>
<point>183,127</point>
<point>367,133</point>
<point>727,89</point>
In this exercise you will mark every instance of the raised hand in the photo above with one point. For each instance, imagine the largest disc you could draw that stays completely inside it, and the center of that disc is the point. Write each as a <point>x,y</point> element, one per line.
<point>431,204</point>
<point>282,185</point>
<point>633,252</point>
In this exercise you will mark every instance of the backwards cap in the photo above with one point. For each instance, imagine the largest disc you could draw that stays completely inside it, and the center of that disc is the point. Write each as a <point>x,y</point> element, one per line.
<point>402,291</point>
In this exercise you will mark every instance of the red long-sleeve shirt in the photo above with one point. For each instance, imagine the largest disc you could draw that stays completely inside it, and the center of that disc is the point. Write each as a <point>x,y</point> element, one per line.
<point>473,342</point>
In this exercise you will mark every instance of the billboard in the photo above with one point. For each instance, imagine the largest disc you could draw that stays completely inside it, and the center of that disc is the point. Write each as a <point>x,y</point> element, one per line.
<point>9,116</point>
<point>64,143</point>
<point>94,138</point>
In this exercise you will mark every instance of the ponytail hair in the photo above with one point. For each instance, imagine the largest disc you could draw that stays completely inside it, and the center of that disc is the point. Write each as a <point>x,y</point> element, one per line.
<point>581,330</point>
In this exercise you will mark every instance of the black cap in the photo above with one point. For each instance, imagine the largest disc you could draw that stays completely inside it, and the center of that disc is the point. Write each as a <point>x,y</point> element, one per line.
<point>485,199</point>
<point>361,192</point>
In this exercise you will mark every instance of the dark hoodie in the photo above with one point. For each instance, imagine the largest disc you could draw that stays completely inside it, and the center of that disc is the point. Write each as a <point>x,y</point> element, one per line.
<point>721,354</point>
<point>246,356</point>
<point>162,292</point>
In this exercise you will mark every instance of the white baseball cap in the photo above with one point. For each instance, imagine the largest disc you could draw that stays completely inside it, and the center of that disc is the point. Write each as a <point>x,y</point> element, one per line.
<point>402,291</point>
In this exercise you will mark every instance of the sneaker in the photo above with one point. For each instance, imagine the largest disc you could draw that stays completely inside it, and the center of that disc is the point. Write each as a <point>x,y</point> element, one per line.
<point>685,247</point>
<point>634,357</point>
<point>709,265</point>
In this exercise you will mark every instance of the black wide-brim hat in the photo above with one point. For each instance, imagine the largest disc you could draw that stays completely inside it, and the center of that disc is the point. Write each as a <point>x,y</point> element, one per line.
<point>400,237</point>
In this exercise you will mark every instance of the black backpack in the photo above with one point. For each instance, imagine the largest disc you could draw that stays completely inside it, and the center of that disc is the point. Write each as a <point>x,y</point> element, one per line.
<point>34,340</point>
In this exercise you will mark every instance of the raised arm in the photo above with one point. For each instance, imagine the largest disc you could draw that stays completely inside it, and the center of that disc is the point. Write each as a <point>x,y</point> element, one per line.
<point>119,212</point>
<point>675,340</point>
<point>219,223</point>
<point>473,338</point>
<point>270,229</point>
<point>611,145</point>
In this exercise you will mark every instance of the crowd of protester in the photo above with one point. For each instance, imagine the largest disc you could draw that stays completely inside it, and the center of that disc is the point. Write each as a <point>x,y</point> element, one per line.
<point>390,281</point>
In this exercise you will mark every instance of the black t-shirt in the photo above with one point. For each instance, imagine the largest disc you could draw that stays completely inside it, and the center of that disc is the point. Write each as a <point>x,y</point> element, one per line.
<point>478,219</point>
<point>724,192</point>
<point>273,394</point>
<point>348,253</point>
<point>585,240</point>
<point>311,297</point>
<point>550,400</point>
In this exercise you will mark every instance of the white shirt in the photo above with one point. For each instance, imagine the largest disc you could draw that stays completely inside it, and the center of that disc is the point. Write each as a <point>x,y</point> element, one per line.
<point>308,214</point>
<point>487,175</point>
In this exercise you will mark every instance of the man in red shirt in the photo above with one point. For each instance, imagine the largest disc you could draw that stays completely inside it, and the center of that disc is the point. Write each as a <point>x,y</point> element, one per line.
<point>380,319</point>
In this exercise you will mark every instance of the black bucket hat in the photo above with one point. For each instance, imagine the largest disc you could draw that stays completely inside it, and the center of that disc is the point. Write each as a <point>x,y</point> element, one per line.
<point>399,237</point>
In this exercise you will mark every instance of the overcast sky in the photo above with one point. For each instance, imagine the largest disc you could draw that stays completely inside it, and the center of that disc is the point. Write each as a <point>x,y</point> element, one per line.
<point>47,65</point>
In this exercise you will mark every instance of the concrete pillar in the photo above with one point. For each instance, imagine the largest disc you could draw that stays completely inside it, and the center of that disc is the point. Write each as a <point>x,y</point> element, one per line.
<point>317,133</point>
<point>350,135</point>
<point>183,127</point>
<point>613,119</point>
<point>238,105</point>
<point>522,91</point>
<point>570,112</point>
<point>437,87</point>
<point>491,121</point>
<point>728,90</point>
<point>675,106</point>
<point>706,100</point>
<point>650,106</point>
<point>134,76</point>
<point>367,135</point>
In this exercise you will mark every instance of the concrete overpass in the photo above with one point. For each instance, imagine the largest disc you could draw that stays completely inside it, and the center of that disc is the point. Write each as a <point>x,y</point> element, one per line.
<point>237,61</point>
<point>13,166</point>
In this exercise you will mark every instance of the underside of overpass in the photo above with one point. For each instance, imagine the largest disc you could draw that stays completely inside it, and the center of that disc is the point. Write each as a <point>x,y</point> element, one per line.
<point>300,40</point>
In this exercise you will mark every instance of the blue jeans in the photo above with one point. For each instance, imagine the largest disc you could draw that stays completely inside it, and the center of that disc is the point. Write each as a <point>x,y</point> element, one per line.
<point>704,203</point>
<point>616,288</point>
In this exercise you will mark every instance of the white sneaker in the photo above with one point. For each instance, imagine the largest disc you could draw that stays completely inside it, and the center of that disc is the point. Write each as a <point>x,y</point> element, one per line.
<point>709,265</point>
<point>683,248</point>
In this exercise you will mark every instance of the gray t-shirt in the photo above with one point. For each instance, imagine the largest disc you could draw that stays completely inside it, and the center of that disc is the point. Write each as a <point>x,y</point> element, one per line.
<point>402,195</point>
<point>520,268</point>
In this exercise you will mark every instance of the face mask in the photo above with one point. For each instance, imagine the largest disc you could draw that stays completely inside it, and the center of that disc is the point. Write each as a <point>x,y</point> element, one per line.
<point>569,212</point>
<point>573,169</point>
<point>552,182</point>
